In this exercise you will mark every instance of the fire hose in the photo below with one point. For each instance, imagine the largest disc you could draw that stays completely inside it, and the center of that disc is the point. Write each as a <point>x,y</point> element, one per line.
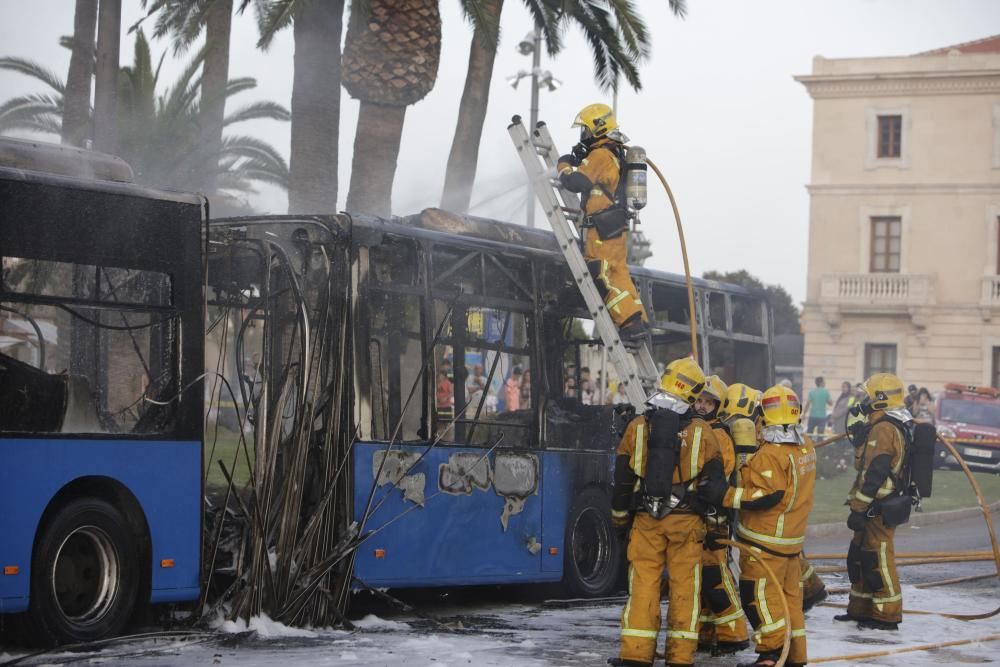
<point>692,320</point>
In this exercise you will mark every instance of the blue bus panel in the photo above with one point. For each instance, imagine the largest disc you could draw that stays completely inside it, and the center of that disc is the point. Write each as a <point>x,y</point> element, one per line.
<point>164,477</point>
<point>456,518</point>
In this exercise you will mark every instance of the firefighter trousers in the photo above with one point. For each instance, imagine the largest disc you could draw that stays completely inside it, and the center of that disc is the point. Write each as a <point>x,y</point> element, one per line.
<point>871,566</point>
<point>762,603</point>
<point>675,543</point>
<point>722,615</point>
<point>608,264</point>
<point>812,584</point>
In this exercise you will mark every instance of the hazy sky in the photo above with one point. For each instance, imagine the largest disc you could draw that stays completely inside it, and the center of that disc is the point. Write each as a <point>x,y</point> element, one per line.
<point>719,111</point>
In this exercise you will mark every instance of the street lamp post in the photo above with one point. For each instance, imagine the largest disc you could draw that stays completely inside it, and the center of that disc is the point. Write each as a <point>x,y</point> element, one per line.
<point>532,45</point>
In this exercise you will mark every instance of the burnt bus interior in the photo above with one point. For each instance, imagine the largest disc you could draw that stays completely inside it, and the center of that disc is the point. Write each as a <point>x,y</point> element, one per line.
<point>493,302</point>
<point>90,310</point>
<point>323,331</point>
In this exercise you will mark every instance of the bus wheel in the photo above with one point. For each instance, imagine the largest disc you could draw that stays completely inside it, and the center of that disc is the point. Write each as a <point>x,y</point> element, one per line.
<point>593,556</point>
<point>84,574</point>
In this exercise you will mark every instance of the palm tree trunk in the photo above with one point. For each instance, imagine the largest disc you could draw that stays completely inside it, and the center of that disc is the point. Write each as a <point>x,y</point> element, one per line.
<point>312,186</point>
<point>214,78</point>
<point>461,171</point>
<point>106,84</point>
<point>376,148</point>
<point>76,101</point>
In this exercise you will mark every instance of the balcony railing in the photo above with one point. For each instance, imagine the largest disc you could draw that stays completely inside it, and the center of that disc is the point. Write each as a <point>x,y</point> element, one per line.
<point>878,292</point>
<point>991,292</point>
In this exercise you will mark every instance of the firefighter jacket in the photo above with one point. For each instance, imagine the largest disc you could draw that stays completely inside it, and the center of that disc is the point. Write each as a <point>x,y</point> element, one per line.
<point>698,445</point>
<point>879,461</point>
<point>726,448</point>
<point>595,177</point>
<point>775,496</point>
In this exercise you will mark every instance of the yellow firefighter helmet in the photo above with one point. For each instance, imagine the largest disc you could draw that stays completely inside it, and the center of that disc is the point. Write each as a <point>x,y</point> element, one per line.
<point>885,391</point>
<point>741,401</point>
<point>716,388</point>
<point>595,120</point>
<point>780,406</point>
<point>684,379</point>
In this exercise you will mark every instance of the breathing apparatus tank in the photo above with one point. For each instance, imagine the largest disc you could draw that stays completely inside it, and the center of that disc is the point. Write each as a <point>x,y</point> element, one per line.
<point>635,178</point>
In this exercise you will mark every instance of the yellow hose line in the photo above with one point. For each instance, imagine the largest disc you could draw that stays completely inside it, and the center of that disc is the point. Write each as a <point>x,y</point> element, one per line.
<point>918,612</point>
<point>956,580</point>
<point>979,497</point>
<point>829,441</point>
<point>905,649</point>
<point>692,316</point>
<point>905,554</point>
<point>826,569</point>
<point>781,594</point>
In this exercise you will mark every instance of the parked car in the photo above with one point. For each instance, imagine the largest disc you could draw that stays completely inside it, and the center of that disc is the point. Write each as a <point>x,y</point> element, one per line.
<point>969,415</point>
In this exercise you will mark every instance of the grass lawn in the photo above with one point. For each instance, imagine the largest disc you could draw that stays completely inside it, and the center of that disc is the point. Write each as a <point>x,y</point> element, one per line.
<point>951,491</point>
<point>226,446</point>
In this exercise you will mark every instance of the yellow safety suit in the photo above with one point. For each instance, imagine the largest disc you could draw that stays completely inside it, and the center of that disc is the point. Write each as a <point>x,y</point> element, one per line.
<point>774,499</point>
<point>596,179</point>
<point>673,542</point>
<point>722,616</point>
<point>813,587</point>
<point>871,559</point>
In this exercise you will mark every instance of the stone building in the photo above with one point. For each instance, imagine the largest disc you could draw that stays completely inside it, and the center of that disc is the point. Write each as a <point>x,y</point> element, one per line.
<point>904,244</point>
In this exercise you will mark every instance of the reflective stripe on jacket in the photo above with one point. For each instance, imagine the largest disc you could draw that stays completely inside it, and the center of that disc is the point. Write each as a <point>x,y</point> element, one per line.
<point>775,496</point>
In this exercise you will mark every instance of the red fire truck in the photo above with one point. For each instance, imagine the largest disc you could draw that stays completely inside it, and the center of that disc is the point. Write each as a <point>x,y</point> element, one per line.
<point>971,416</point>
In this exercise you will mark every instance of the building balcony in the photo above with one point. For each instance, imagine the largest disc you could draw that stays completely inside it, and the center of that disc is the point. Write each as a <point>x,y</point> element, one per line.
<point>876,294</point>
<point>989,298</point>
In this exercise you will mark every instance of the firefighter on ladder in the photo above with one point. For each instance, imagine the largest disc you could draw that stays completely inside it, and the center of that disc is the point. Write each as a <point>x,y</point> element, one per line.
<point>660,459</point>
<point>774,499</point>
<point>594,170</point>
<point>876,600</point>
<point>723,623</point>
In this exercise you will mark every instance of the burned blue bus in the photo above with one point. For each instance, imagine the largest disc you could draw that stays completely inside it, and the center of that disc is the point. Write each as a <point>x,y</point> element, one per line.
<point>479,408</point>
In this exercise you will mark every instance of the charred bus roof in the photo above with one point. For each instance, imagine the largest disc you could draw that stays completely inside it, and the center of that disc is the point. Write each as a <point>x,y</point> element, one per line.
<point>55,165</point>
<point>436,225</point>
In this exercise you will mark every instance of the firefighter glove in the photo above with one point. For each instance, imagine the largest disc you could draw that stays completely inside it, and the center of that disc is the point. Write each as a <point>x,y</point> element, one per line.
<point>710,541</point>
<point>857,521</point>
<point>711,490</point>
<point>569,159</point>
<point>712,486</point>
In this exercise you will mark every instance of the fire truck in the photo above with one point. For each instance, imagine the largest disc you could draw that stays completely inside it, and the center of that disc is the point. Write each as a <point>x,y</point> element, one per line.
<point>969,415</point>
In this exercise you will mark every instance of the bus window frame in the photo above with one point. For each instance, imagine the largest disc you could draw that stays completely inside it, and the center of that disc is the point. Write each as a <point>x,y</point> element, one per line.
<point>129,227</point>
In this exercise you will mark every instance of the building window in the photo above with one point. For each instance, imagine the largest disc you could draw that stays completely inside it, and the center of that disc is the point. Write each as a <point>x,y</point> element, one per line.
<point>881,358</point>
<point>885,244</point>
<point>890,130</point>
<point>995,375</point>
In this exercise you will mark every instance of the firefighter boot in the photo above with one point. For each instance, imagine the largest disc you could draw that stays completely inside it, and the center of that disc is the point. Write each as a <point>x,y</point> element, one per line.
<point>620,662</point>
<point>873,624</point>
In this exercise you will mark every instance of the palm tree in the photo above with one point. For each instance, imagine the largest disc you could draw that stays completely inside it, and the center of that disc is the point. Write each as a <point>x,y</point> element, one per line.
<point>390,61</point>
<point>314,157</point>
<point>618,39</point>
<point>160,134</point>
<point>76,116</point>
<point>106,85</point>
<point>185,21</point>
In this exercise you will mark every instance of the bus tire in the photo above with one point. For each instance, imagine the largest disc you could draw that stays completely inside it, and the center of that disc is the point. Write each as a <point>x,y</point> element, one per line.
<point>593,555</point>
<point>85,574</point>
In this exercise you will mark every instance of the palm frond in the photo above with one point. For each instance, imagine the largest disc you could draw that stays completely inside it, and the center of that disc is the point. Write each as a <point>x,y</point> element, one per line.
<point>483,20</point>
<point>252,148</point>
<point>37,125</point>
<point>238,85</point>
<point>34,70</point>
<point>272,17</point>
<point>256,111</point>
<point>548,14</point>
<point>631,28</point>
<point>678,7</point>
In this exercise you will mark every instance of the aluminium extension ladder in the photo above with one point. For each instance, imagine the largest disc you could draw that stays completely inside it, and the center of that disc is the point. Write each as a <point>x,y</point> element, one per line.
<point>635,368</point>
